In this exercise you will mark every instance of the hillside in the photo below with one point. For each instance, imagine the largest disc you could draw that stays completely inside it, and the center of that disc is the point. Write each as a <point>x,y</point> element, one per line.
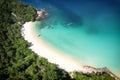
<point>16,60</point>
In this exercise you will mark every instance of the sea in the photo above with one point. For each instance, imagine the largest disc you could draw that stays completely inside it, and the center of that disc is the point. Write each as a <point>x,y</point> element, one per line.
<point>87,30</point>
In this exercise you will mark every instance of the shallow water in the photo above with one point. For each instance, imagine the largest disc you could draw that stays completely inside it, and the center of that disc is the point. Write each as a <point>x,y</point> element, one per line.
<point>88,30</point>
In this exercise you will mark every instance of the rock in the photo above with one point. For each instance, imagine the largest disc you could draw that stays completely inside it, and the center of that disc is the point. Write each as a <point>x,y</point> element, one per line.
<point>41,14</point>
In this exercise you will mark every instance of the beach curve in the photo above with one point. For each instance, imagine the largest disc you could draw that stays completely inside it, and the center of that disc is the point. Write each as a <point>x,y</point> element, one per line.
<point>42,49</point>
<point>56,57</point>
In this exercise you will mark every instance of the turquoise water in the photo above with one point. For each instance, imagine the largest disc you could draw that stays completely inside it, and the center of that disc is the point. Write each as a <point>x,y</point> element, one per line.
<point>87,30</point>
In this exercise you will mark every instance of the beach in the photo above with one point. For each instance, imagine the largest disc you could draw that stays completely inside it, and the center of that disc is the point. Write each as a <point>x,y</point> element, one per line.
<point>42,49</point>
<point>55,56</point>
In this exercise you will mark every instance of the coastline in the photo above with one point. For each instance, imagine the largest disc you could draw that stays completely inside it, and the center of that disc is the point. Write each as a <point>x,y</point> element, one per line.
<point>56,57</point>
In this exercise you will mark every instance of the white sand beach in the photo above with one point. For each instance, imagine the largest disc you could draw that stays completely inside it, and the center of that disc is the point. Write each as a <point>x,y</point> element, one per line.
<point>44,50</point>
<point>59,58</point>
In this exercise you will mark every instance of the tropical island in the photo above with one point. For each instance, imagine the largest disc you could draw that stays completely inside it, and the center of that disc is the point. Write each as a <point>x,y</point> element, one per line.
<point>18,61</point>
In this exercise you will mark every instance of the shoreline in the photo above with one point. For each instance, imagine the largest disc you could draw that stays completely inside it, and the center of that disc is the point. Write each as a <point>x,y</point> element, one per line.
<point>56,57</point>
<point>44,50</point>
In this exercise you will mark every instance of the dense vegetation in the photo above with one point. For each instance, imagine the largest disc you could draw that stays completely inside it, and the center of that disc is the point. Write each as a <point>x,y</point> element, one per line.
<point>92,76</point>
<point>16,60</point>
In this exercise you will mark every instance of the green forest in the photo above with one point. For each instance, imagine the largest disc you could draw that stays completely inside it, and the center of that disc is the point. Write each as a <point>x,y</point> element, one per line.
<point>17,62</point>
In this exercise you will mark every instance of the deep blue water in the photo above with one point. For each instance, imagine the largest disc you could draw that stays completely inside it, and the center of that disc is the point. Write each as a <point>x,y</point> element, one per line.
<point>88,30</point>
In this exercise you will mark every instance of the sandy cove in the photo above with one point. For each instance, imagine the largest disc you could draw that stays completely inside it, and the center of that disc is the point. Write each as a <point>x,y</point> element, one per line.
<point>59,58</point>
<point>44,50</point>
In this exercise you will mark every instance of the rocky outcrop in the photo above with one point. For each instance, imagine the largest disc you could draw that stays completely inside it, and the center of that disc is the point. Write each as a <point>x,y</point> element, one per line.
<point>41,14</point>
<point>101,70</point>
